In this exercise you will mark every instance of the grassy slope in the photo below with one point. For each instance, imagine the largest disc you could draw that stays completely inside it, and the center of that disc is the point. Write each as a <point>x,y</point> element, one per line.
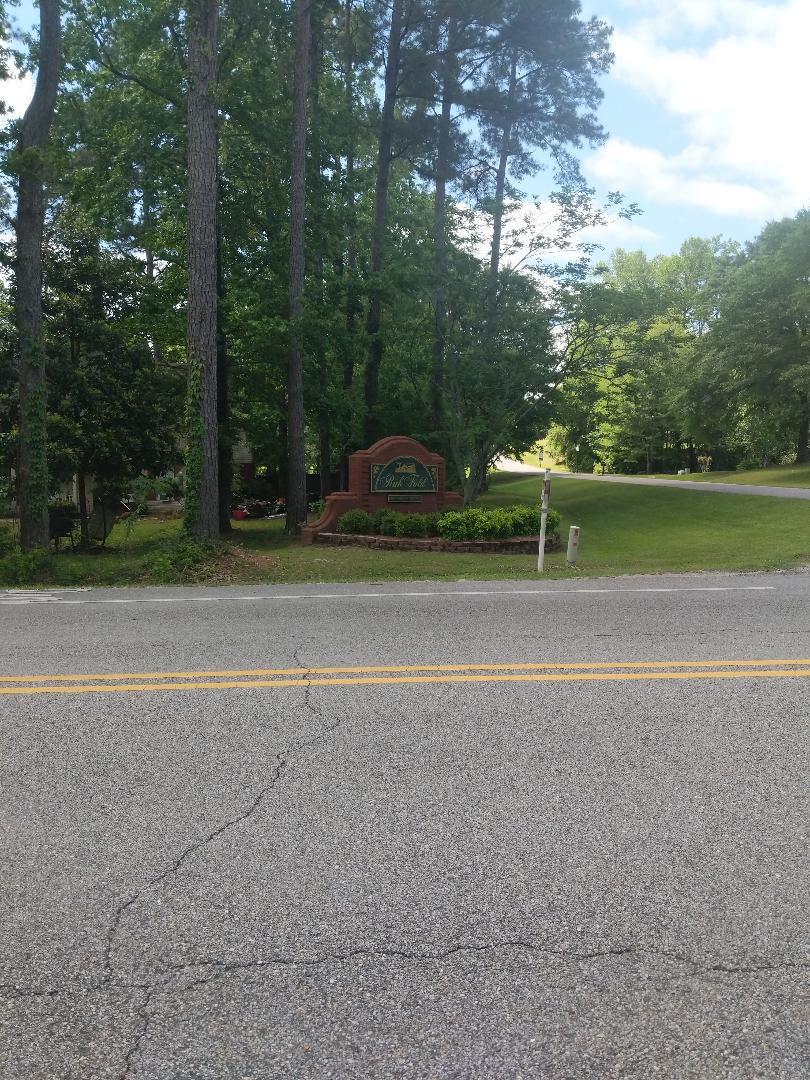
<point>635,529</point>
<point>625,529</point>
<point>776,476</point>
<point>535,458</point>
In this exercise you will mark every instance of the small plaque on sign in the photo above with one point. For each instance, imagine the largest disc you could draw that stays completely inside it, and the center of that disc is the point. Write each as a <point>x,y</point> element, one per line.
<point>404,498</point>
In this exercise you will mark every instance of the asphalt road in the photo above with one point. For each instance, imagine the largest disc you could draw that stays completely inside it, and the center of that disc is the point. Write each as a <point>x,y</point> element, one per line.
<point>505,869</point>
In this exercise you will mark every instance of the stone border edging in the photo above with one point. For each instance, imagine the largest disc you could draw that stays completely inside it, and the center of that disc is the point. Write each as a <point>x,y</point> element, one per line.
<point>523,545</point>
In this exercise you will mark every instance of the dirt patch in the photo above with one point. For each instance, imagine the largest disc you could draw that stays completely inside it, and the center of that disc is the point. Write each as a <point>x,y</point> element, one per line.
<point>238,564</point>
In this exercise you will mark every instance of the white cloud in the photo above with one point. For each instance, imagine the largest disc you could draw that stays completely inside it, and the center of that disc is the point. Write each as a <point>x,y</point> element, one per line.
<point>676,16</point>
<point>619,232</point>
<point>737,96</point>
<point>16,92</point>
<point>676,179</point>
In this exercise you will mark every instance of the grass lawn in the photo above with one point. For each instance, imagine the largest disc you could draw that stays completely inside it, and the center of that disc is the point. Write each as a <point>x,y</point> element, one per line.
<point>625,530</point>
<point>629,529</point>
<point>775,476</point>
<point>535,457</point>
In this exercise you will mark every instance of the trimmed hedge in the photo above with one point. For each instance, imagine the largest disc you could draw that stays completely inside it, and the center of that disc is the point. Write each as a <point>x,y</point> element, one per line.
<point>474,523</point>
<point>356,521</point>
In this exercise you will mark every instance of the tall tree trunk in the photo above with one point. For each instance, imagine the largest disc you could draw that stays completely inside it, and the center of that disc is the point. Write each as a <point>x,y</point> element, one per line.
<point>84,531</point>
<point>323,361</point>
<point>202,470</point>
<point>283,464</point>
<point>147,222</point>
<point>296,459</point>
<point>802,451</point>
<point>224,447</point>
<point>384,157</point>
<point>325,454</point>
<point>352,308</point>
<point>32,460</point>
<point>443,147</point>
<point>498,211</point>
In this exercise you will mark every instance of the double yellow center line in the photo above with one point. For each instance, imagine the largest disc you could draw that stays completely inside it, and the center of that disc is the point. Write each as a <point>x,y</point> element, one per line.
<point>266,678</point>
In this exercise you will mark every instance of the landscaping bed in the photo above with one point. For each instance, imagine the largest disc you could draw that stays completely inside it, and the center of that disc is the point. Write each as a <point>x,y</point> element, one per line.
<point>518,545</point>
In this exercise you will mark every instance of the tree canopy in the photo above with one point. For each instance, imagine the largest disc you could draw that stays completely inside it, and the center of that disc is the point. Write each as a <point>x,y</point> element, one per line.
<point>306,225</point>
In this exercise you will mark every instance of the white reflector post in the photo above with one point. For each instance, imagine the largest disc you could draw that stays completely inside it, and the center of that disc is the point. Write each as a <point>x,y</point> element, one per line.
<point>573,545</point>
<point>541,548</point>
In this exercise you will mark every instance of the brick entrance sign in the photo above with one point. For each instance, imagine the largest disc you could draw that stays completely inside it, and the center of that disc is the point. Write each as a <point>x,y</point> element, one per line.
<point>396,473</point>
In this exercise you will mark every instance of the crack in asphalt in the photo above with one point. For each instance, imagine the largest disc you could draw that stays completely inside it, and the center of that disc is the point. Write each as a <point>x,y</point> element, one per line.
<point>282,763</point>
<point>139,1035</point>
<point>224,968</point>
<point>192,849</point>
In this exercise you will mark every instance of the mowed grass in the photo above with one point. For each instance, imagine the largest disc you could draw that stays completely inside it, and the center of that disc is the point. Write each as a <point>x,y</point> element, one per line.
<point>625,530</point>
<point>633,529</point>
<point>535,457</point>
<point>775,476</point>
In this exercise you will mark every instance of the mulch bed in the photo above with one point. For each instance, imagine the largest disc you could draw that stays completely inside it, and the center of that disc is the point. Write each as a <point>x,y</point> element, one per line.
<point>519,545</point>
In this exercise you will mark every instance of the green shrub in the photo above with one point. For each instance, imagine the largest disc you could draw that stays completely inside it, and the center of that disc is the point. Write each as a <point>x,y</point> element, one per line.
<point>526,520</point>
<point>8,541</point>
<point>552,521</point>
<point>457,525</point>
<point>432,523</point>
<point>411,525</point>
<point>356,521</point>
<point>181,560</point>
<point>25,567</point>
<point>472,524</point>
<point>475,523</point>
<point>384,522</point>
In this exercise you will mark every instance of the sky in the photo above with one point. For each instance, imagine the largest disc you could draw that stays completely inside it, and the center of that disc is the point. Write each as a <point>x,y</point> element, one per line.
<point>703,107</point>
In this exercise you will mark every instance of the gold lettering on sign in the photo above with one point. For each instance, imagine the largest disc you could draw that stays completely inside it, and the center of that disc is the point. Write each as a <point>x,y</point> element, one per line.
<point>404,474</point>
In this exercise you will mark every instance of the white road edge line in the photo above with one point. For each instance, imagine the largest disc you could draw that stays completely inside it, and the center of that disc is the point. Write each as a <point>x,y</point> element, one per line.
<point>389,595</point>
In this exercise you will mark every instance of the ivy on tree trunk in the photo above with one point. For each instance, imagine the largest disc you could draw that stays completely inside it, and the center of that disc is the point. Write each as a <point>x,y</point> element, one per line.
<point>297,476</point>
<point>32,460</point>
<point>202,466</point>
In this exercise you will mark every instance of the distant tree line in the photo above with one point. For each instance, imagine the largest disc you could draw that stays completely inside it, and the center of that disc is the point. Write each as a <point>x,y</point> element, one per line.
<point>698,358</point>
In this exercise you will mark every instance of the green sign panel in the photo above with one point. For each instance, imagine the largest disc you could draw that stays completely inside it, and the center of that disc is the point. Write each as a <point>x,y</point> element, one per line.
<point>404,474</point>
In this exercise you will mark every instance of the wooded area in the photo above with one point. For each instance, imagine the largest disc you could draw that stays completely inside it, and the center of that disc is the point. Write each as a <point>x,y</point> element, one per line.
<point>303,226</point>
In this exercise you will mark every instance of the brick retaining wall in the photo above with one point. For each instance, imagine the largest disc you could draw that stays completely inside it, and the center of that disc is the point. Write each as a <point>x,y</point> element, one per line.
<point>525,545</point>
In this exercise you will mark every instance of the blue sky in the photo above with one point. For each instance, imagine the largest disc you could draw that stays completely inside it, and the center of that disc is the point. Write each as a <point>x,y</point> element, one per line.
<point>704,109</point>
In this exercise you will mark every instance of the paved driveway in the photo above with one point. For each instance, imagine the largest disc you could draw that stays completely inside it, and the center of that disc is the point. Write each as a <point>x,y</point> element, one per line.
<point>508,465</point>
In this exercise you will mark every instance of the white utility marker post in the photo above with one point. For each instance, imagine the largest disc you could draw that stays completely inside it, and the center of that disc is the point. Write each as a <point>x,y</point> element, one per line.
<point>541,549</point>
<point>573,545</point>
